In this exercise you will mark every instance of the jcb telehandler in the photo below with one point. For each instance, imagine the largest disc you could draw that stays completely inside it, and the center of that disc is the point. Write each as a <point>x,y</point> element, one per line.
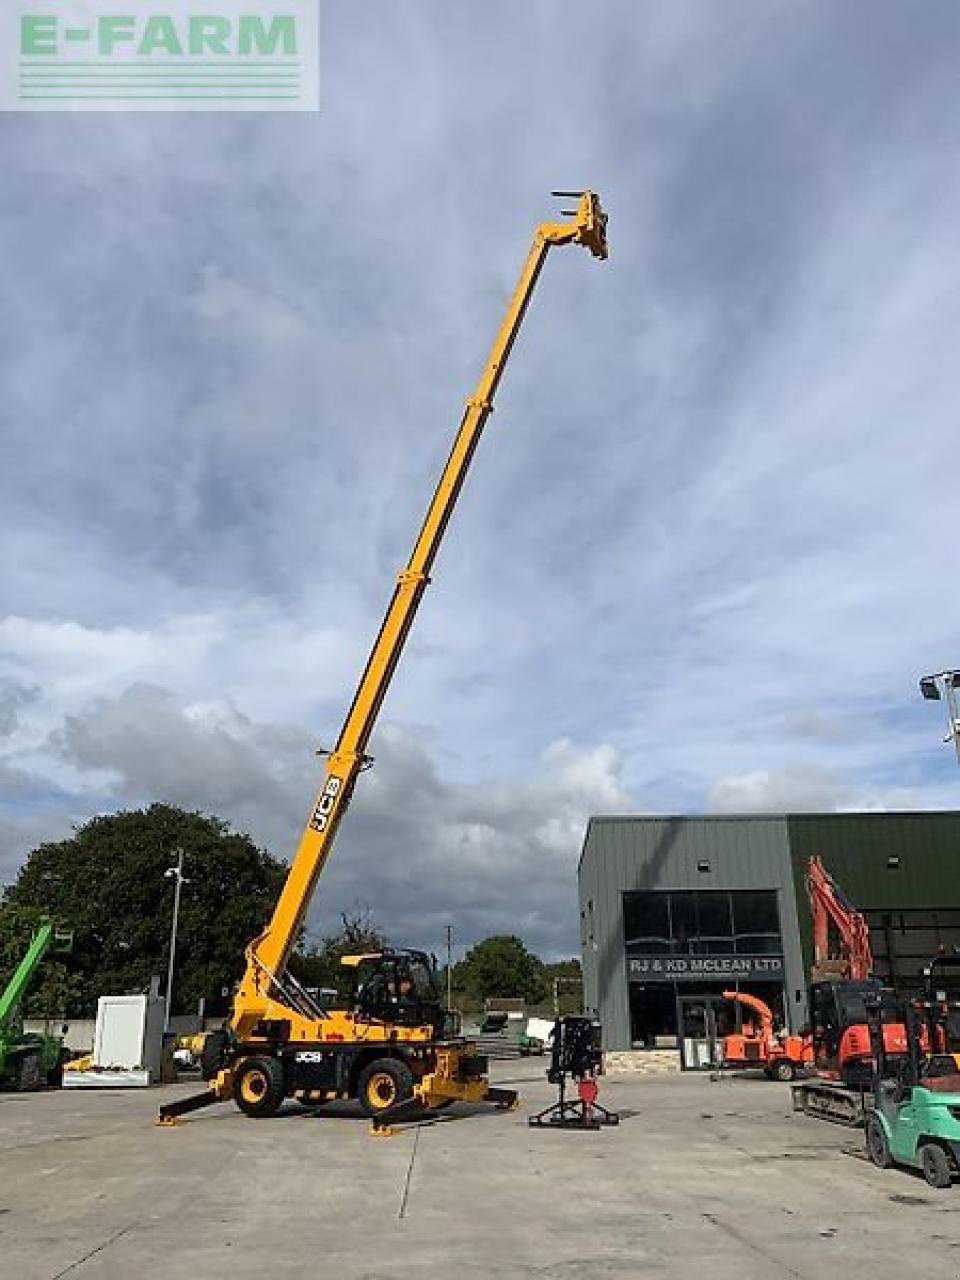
<point>392,1045</point>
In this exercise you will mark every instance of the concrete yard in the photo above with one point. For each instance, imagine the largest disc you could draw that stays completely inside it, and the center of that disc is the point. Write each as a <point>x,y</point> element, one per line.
<point>702,1178</point>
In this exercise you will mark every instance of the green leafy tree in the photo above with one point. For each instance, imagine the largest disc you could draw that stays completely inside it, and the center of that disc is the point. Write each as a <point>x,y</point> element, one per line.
<point>565,977</point>
<point>318,965</point>
<point>500,967</point>
<point>107,884</point>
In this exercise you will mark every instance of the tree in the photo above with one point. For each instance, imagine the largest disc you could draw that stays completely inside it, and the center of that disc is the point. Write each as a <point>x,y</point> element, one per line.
<point>565,979</point>
<point>500,966</point>
<point>319,965</point>
<point>107,884</point>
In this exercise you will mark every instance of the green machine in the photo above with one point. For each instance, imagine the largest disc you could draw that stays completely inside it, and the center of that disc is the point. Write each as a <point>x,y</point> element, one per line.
<point>914,1119</point>
<point>27,1059</point>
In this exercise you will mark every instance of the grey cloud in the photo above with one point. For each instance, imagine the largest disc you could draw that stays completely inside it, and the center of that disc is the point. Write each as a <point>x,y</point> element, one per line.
<point>793,789</point>
<point>13,698</point>
<point>419,850</point>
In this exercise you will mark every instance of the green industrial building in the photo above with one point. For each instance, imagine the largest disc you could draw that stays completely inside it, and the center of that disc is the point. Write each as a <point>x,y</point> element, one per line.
<point>676,910</point>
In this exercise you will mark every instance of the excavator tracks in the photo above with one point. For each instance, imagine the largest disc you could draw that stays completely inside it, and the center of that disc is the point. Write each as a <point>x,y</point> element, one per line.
<point>829,1101</point>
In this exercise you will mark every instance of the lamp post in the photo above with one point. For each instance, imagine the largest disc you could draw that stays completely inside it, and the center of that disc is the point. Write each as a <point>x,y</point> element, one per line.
<point>176,874</point>
<point>449,966</point>
<point>942,685</point>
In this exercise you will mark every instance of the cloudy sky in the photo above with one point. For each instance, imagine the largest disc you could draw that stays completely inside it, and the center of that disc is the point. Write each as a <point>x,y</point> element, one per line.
<point>706,548</point>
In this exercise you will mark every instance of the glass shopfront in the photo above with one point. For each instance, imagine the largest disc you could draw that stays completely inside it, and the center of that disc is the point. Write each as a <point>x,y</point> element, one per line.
<point>684,948</point>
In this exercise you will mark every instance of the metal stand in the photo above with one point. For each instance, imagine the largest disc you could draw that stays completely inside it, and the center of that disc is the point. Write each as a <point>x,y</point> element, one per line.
<point>575,1054</point>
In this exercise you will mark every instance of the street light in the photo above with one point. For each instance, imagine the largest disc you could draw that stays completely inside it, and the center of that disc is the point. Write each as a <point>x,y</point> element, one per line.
<point>176,874</point>
<point>943,685</point>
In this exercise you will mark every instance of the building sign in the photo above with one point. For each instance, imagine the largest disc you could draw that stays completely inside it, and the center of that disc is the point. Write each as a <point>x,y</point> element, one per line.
<point>698,968</point>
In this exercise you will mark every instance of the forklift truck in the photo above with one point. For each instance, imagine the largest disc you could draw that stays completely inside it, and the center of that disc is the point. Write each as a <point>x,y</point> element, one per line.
<point>913,1116</point>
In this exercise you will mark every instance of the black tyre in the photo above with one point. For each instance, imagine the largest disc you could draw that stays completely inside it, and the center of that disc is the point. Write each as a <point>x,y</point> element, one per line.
<point>935,1165</point>
<point>55,1074</point>
<point>212,1054</point>
<point>784,1071</point>
<point>258,1087</point>
<point>878,1148</point>
<point>382,1083</point>
<point>30,1075</point>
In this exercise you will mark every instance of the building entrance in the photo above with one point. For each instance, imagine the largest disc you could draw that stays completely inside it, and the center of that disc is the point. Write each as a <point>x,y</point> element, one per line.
<point>693,1019</point>
<point>698,1018</point>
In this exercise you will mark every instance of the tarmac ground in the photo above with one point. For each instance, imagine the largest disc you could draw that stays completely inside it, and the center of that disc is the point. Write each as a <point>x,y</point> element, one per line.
<point>719,1179</point>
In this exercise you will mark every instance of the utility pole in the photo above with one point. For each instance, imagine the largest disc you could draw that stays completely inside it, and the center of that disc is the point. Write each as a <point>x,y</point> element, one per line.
<point>176,874</point>
<point>449,966</point>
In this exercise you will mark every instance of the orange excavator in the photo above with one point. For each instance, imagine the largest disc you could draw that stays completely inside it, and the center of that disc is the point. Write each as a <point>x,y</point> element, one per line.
<point>779,1054</point>
<point>837,1044</point>
<point>841,989</point>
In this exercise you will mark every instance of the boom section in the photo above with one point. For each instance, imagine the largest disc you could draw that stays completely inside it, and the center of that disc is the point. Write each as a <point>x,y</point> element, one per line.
<point>829,904</point>
<point>267,955</point>
<point>40,943</point>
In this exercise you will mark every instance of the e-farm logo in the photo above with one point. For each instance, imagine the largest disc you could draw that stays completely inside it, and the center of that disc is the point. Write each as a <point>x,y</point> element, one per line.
<point>159,55</point>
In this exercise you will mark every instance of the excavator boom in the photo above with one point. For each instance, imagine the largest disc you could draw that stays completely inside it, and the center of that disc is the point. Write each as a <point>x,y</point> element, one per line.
<point>830,905</point>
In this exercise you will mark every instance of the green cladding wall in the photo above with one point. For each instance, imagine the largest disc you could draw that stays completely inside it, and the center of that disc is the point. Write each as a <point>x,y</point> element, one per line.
<point>857,848</point>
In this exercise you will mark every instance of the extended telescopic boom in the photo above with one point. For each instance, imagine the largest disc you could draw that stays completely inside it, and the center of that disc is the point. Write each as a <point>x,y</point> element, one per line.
<point>267,955</point>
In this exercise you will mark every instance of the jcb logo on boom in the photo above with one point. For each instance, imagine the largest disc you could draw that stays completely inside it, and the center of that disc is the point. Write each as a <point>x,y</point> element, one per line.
<point>328,798</point>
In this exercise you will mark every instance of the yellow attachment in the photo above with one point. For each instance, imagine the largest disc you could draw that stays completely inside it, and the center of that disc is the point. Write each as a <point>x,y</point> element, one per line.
<point>85,1063</point>
<point>352,962</point>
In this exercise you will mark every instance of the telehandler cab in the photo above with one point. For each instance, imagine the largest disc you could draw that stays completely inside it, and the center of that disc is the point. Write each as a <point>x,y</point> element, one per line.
<point>279,1041</point>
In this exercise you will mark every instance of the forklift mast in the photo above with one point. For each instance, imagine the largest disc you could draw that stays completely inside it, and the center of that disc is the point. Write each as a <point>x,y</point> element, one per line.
<point>830,905</point>
<point>265,982</point>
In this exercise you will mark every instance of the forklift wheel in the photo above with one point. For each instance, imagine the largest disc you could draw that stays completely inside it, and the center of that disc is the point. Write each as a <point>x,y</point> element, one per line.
<point>935,1165</point>
<point>784,1071</point>
<point>258,1086</point>
<point>383,1083</point>
<point>878,1148</point>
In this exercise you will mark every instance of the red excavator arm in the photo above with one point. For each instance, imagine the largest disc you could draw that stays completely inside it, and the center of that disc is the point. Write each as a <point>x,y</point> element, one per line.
<point>829,905</point>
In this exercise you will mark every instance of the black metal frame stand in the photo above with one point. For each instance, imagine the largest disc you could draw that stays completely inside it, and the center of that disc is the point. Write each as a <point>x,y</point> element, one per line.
<point>578,1114</point>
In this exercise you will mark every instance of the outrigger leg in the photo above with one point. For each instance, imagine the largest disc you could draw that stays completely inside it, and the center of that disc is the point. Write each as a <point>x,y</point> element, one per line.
<point>170,1113</point>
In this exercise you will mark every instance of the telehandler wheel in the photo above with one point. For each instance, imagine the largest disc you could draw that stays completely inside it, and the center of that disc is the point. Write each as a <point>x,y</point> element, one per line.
<point>30,1074</point>
<point>784,1071</point>
<point>935,1165</point>
<point>878,1148</point>
<point>258,1087</point>
<point>382,1083</point>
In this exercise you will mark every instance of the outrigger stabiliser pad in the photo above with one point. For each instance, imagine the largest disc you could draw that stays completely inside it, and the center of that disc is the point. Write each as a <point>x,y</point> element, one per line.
<point>575,1055</point>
